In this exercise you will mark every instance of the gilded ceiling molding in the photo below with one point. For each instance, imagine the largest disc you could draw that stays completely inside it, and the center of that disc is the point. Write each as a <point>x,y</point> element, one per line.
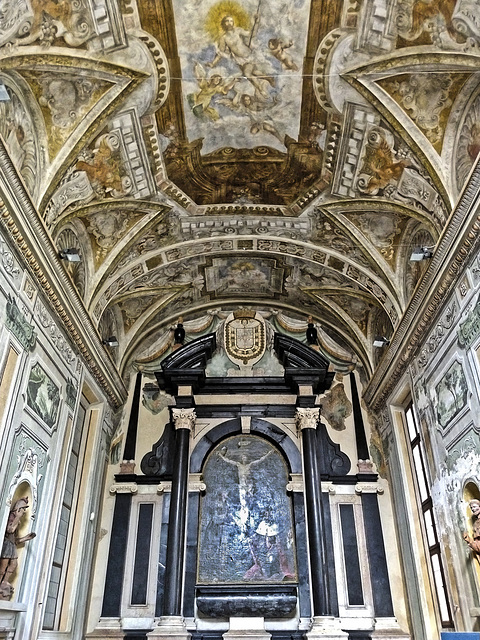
<point>321,71</point>
<point>161,65</point>
<point>460,240</point>
<point>21,221</point>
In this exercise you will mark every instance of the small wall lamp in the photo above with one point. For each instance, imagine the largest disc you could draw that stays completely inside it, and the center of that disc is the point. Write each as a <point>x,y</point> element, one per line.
<point>71,255</point>
<point>110,342</point>
<point>381,341</point>
<point>421,253</point>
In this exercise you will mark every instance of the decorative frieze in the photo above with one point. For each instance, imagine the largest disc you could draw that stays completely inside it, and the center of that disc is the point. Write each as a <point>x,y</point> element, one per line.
<point>9,264</point>
<point>54,334</point>
<point>437,335</point>
<point>27,465</point>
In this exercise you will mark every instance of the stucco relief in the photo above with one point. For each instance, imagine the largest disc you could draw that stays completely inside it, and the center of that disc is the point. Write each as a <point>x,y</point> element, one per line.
<point>468,143</point>
<point>46,22</point>
<point>429,21</point>
<point>17,128</point>
<point>55,334</point>
<point>133,308</point>
<point>426,98</point>
<point>382,230</point>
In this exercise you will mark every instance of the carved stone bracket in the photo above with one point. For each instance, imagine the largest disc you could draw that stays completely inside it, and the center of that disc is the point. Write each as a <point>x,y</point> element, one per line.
<point>368,487</point>
<point>195,482</point>
<point>164,487</point>
<point>329,487</point>
<point>123,487</point>
<point>296,483</point>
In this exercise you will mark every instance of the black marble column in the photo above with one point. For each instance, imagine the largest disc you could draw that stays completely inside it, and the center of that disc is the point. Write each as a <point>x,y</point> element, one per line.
<point>382,595</point>
<point>112,597</point>
<point>172,601</point>
<point>307,420</point>
<point>360,436</point>
<point>131,439</point>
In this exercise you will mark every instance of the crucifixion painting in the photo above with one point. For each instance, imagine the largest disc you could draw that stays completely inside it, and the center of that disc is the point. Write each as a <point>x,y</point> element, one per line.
<point>246,526</point>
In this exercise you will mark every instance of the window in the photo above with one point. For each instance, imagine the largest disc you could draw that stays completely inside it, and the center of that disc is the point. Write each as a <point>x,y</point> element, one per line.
<point>425,498</point>
<point>67,517</point>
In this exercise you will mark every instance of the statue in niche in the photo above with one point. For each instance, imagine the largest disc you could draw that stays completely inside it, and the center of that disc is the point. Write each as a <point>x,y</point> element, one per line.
<point>246,528</point>
<point>9,555</point>
<point>474,542</point>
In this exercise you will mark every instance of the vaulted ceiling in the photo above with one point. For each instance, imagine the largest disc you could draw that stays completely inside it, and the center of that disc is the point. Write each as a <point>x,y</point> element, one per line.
<point>283,155</point>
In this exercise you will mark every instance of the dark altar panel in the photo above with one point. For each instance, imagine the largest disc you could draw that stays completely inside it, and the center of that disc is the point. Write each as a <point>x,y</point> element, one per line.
<point>246,525</point>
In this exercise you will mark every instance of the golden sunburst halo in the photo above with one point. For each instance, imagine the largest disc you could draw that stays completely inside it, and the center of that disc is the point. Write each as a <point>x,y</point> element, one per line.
<point>226,8</point>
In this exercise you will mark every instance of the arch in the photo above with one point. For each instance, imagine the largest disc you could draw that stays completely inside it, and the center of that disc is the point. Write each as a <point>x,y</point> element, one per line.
<point>259,427</point>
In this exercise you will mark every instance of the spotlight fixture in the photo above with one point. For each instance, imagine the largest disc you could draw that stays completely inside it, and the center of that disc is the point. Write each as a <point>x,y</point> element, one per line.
<point>381,341</point>
<point>71,255</point>
<point>110,342</point>
<point>179,334</point>
<point>421,253</point>
<point>311,334</point>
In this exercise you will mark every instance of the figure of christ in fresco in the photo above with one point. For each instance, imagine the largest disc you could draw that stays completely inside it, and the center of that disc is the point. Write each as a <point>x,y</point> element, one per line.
<point>200,102</point>
<point>235,44</point>
<point>246,528</point>
<point>243,469</point>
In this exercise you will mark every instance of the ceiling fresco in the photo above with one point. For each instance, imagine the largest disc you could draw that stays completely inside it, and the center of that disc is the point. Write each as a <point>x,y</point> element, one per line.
<point>285,156</point>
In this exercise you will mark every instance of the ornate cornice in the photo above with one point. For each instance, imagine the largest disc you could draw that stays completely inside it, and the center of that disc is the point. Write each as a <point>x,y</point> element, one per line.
<point>27,232</point>
<point>460,240</point>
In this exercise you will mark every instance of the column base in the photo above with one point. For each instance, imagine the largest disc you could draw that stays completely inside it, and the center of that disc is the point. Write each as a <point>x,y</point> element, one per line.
<point>108,629</point>
<point>170,627</point>
<point>388,629</point>
<point>245,628</point>
<point>9,612</point>
<point>326,628</point>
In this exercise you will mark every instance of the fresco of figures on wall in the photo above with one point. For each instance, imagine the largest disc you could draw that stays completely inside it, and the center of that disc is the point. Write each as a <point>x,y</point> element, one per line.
<point>246,527</point>
<point>451,394</point>
<point>43,395</point>
<point>241,70</point>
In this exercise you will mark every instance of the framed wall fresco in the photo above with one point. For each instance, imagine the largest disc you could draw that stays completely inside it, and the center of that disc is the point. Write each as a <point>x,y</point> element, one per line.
<point>451,394</point>
<point>246,524</point>
<point>43,395</point>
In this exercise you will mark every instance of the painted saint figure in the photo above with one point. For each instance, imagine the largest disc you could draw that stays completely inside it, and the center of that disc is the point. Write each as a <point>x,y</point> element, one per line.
<point>235,44</point>
<point>474,542</point>
<point>200,101</point>
<point>9,555</point>
<point>277,48</point>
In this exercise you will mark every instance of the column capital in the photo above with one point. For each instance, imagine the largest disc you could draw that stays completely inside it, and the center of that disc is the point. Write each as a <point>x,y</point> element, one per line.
<point>307,417</point>
<point>184,418</point>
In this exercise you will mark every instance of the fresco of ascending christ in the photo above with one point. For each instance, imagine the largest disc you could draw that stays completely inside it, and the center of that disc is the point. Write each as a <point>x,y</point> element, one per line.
<point>241,69</point>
